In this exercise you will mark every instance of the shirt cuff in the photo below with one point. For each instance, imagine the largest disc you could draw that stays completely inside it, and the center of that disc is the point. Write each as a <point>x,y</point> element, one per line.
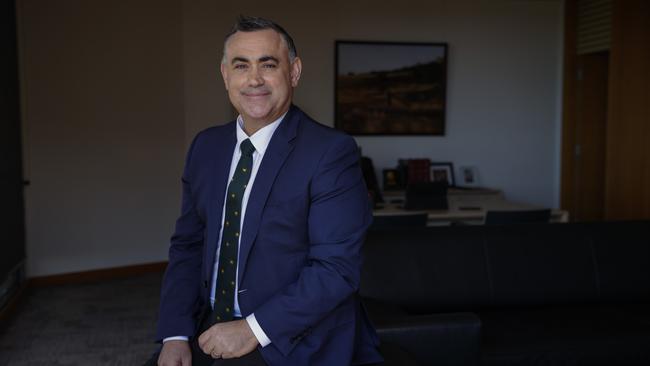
<point>177,338</point>
<point>257,331</point>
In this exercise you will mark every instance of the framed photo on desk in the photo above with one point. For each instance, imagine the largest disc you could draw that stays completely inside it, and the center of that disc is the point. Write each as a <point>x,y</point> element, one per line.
<point>392,180</point>
<point>469,175</point>
<point>443,172</point>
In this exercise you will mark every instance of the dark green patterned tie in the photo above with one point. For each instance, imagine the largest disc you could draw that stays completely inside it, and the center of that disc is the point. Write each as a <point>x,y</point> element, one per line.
<point>224,297</point>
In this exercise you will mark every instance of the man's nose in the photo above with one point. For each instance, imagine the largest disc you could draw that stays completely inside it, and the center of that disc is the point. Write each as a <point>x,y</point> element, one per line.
<point>255,77</point>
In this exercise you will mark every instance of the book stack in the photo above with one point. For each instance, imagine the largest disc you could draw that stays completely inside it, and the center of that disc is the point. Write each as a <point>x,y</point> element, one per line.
<point>419,170</point>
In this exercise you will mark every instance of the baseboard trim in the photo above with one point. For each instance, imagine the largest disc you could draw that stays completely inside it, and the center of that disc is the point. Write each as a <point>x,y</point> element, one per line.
<point>97,274</point>
<point>15,298</point>
<point>13,303</point>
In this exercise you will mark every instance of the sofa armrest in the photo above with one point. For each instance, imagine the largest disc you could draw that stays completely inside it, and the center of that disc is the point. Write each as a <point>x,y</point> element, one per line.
<point>435,339</point>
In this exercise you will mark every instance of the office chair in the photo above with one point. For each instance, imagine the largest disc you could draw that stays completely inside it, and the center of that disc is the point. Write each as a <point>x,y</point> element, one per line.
<point>407,220</point>
<point>517,217</point>
<point>369,176</point>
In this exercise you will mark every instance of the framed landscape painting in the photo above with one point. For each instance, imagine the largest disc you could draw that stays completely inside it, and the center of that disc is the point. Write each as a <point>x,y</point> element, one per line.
<point>390,88</point>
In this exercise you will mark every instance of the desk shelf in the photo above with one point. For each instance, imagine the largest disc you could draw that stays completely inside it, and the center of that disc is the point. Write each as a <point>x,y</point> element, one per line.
<point>465,205</point>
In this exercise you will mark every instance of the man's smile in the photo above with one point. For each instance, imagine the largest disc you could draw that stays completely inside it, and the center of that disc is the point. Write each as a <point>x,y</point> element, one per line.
<point>256,94</point>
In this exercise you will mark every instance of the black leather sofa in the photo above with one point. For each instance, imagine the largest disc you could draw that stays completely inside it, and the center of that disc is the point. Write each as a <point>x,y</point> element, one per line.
<point>529,294</point>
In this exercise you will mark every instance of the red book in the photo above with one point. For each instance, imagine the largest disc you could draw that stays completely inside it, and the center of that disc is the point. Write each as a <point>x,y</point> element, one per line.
<point>419,170</point>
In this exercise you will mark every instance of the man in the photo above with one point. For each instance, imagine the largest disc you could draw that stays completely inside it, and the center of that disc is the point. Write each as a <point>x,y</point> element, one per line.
<point>265,259</point>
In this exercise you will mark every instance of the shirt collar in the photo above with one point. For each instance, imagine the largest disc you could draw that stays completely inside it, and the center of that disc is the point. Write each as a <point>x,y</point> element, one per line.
<point>261,138</point>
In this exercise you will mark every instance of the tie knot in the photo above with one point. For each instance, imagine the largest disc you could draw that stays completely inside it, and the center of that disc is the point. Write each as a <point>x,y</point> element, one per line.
<point>247,148</point>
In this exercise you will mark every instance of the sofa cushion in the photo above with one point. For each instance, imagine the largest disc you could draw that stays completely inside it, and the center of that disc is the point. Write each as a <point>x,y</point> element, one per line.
<point>426,270</point>
<point>450,339</point>
<point>622,250</point>
<point>540,264</point>
<point>578,335</point>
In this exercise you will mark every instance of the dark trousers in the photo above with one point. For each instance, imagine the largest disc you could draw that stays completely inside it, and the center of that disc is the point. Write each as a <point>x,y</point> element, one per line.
<point>201,359</point>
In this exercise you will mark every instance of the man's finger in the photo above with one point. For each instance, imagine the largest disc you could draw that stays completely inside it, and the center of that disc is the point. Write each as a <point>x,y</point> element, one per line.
<point>207,348</point>
<point>204,342</point>
<point>236,353</point>
<point>202,339</point>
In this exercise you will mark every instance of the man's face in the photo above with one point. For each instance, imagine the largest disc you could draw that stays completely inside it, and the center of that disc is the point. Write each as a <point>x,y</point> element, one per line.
<point>259,76</point>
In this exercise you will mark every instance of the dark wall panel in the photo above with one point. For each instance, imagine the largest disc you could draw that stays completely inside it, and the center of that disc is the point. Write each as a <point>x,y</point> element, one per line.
<point>12,237</point>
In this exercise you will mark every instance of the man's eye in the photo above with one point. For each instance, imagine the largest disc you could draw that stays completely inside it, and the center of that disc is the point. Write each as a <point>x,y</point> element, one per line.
<point>240,66</point>
<point>269,66</point>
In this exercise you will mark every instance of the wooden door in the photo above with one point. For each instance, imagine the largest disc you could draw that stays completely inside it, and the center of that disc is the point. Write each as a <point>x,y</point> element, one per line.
<point>628,130</point>
<point>590,137</point>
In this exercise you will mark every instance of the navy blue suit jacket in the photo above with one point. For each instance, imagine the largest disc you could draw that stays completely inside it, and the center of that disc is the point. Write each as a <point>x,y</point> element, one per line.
<point>299,262</point>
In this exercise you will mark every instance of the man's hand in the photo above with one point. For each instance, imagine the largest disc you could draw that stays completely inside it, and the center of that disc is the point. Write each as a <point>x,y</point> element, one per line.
<point>175,353</point>
<point>228,340</point>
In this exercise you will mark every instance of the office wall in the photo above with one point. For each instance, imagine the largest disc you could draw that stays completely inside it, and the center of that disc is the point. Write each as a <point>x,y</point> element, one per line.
<point>504,82</point>
<point>103,128</point>
<point>114,93</point>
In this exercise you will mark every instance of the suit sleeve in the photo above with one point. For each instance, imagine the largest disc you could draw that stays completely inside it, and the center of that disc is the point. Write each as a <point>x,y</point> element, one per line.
<point>338,218</point>
<point>180,294</point>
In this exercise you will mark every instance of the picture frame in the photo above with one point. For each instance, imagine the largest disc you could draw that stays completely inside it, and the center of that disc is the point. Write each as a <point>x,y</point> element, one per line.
<point>443,171</point>
<point>392,180</point>
<point>390,88</point>
<point>469,176</point>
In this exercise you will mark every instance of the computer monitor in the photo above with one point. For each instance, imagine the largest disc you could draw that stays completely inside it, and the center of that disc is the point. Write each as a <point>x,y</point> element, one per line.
<point>426,196</point>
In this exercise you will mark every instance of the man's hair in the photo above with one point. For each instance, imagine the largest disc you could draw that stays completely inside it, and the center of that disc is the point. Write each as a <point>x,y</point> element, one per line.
<point>254,24</point>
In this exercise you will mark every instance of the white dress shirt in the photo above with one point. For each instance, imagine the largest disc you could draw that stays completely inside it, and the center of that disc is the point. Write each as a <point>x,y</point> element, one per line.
<point>260,140</point>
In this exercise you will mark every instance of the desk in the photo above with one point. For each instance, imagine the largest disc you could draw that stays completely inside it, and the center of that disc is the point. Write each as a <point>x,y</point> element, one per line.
<point>467,206</point>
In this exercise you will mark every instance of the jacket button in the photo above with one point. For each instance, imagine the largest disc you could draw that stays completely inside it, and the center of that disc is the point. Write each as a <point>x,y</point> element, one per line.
<point>205,283</point>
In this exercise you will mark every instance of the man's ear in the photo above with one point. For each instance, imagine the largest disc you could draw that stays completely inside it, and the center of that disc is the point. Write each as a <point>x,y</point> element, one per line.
<point>224,74</point>
<point>296,70</point>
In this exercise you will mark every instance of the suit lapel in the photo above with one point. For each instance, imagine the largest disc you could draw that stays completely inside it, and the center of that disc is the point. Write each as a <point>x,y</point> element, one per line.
<point>222,159</point>
<point>279,148</point>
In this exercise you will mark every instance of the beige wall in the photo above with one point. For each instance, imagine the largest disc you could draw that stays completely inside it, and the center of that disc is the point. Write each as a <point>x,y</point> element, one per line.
<point>112,95</point>
<point>103,127</point>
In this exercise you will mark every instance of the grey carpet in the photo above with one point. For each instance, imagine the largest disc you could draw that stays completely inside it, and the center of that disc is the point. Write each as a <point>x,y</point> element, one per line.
<point>108,323</point>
